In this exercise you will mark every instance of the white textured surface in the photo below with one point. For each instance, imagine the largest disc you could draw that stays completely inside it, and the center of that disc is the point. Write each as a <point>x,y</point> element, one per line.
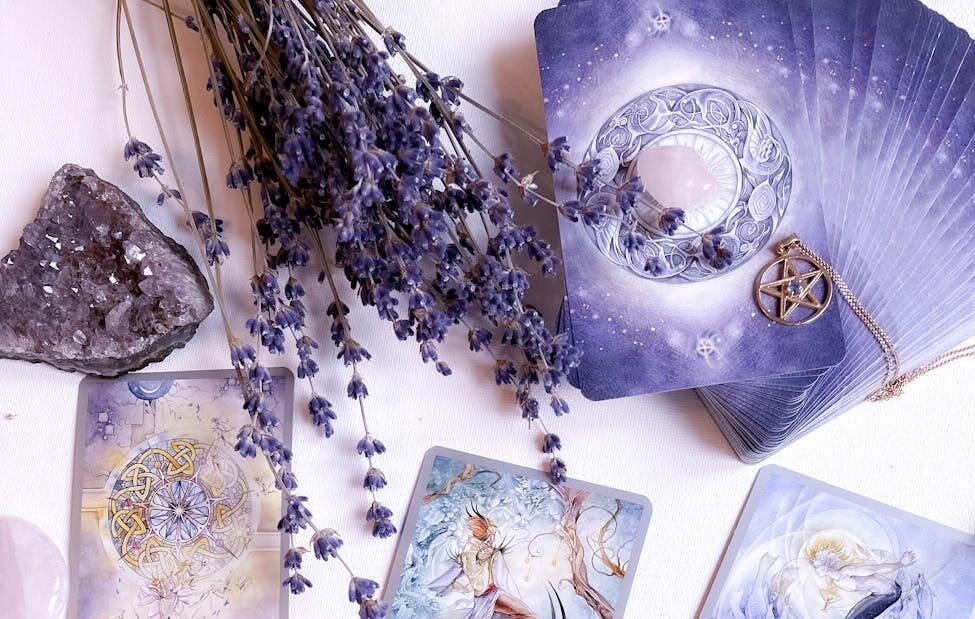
<point>59,101</point>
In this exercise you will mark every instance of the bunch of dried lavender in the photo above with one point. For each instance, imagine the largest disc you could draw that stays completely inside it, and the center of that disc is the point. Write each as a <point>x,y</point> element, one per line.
<point>333,148</point>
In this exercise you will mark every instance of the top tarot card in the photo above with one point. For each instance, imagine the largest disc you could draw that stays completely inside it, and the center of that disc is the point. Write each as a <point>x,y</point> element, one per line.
<point>701,100</point>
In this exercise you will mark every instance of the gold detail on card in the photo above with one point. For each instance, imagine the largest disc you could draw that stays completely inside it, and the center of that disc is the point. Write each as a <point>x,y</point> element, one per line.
<point>799,287</point>
<point>793,289</point>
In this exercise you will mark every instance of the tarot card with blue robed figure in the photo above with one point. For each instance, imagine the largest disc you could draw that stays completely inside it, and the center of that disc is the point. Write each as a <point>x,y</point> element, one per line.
<point>699,100</point>
<point>168,520</point>
<point>806,550</point>
<point>484,539</point>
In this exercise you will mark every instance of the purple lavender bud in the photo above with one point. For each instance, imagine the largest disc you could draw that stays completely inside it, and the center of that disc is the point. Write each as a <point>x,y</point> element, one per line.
<point>273,340</point>
<point>556,152</point>
<point>254,403</point>
<point>551,443</point>
<point>326,544</point>
<point>351,352</point>
<point>557,471</point>
<point>357,388</point>
<point>147,165</point>
<point>361,589</point>
<point>715,249</point>
<point>258,375</point>
<point>293,289</point>
<point>428,351</point>
<point>296,515</point>
<point>402,329</point>
<point>369,446</point>
<point>504,372</point>
<point>288,316</point>
<point>670,220</point>
<point>633,241</point>
<point>559,406</point>
<point>322,414</point>
<point>383,529</point>
<point>297,583</point>
<point>586,175</point>
<point>307,368</point>
<point>257,326</point>
<point>654,266</point>
<point>292,559</point>
<point>479,339</point>
<point>242,354</point>
<point>267,420</point>
<point>570,210</point>
<point>288,479</point>
<point>245,445</point>
<point>504,168</point>
<point>240,175</point>
<point>451,89</point>
<point>629,192</point>
<point>135,148</point>
<point>374,479</point>
<point>529,409</point>
<point>371,609</point>
<point>377,512</point>
<point>593,213</point>
<point>394,41</point>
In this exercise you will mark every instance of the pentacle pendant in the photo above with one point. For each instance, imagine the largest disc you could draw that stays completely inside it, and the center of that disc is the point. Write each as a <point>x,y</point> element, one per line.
<point>793,290</point>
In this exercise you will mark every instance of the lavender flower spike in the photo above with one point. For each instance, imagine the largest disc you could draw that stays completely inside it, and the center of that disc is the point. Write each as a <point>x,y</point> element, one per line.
<point>358,171</point>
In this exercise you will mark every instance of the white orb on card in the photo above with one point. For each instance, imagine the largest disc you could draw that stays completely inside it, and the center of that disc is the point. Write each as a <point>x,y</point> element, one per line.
<point>693,172</point>
<point>677,177</point>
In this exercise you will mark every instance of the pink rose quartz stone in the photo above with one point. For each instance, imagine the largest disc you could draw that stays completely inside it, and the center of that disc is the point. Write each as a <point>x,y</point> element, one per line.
<point>33,574</point>
<point>677,177</point>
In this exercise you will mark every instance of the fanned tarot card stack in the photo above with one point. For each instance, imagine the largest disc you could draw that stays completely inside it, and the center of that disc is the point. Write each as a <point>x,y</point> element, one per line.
<point>847,124</point>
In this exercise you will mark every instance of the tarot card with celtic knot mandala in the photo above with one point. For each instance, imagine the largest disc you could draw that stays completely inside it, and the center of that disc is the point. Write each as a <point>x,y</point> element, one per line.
<point>170,522</point>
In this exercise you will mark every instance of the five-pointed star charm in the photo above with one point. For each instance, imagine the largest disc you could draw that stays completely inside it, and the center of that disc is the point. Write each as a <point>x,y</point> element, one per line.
<point>795,289</point>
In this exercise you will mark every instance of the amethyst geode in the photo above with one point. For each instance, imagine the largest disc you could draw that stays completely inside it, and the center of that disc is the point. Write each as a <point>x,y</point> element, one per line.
<point>94,286</point>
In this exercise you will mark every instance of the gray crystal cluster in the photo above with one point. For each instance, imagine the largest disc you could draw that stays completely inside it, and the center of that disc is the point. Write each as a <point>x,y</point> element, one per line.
<point>94,286</point>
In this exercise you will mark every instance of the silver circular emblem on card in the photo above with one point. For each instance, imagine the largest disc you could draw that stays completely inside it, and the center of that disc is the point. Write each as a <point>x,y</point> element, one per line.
<point>700,149</point>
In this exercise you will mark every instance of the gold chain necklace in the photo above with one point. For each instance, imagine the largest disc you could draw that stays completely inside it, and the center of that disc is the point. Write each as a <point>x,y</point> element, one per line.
<point>799,303</point>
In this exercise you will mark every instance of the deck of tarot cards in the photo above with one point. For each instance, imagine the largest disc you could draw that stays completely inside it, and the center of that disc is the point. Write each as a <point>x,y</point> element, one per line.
<point>847,124</point>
